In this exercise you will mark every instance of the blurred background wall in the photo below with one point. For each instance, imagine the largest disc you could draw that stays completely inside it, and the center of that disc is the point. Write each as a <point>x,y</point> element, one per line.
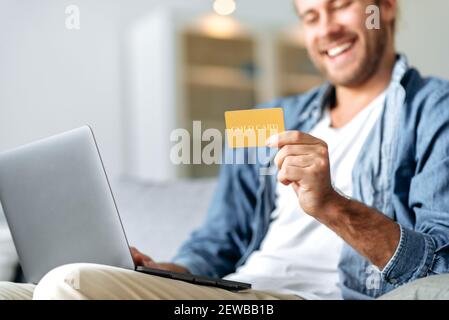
<point>53,79</point>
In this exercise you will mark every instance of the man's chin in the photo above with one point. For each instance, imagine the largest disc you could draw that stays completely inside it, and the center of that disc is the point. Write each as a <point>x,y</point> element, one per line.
<point>346,77</point>
<point>341,80</point>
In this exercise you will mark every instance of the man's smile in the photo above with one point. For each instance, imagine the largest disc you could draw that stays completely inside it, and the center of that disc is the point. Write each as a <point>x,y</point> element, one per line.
<point>339,52</point>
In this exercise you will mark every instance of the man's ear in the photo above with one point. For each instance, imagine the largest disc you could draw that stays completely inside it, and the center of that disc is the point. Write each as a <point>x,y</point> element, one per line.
<point>389,10</point>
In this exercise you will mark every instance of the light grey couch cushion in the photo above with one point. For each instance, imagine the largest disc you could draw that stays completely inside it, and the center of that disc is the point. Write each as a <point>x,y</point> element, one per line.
<point>158,217</point>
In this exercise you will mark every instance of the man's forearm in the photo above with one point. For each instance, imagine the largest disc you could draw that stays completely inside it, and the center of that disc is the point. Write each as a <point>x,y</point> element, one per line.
<point>368,231</point>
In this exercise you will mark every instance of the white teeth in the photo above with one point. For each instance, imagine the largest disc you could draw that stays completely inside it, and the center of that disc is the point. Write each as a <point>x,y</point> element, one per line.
<point>338,50</point>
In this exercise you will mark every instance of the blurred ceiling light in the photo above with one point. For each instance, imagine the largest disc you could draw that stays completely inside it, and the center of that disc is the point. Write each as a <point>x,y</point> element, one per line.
<point>220,27</point>
<point>224,7</point>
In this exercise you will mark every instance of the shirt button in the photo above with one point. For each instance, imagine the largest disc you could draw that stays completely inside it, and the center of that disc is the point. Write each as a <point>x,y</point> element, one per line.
<point>393,281</point>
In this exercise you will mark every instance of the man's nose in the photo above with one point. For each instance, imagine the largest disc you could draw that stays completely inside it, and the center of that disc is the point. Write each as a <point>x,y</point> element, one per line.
<point>328,26</point>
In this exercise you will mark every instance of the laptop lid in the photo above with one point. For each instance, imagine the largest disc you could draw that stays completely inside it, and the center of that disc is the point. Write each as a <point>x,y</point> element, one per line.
<point>59,205</point>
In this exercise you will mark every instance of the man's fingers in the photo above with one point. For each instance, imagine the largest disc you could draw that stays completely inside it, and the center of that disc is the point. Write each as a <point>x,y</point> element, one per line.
<point>302,161</point>
<point>140,258</point>
<point>293,150</point>
<point>296,186</point>
<point>290,174</point>
<point>151,264</point>
<point>291,137</point>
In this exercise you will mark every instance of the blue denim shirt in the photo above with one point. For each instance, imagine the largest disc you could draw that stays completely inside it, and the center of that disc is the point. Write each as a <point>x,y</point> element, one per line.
<point>402,170</point>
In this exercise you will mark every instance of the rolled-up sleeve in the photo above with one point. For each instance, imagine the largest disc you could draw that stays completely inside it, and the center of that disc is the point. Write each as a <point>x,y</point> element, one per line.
<point>413,258</point>
<point>423,248</point>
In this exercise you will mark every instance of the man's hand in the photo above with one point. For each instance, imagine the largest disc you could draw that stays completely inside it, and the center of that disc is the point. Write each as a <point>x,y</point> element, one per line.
<point>303,162</point>
<point>141,259</point>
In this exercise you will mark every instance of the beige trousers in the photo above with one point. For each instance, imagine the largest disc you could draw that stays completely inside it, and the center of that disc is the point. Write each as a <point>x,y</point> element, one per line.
<point>91,281</point>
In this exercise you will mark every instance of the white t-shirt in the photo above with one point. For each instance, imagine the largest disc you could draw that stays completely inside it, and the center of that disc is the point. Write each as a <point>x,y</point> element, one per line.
<point>299,255</point>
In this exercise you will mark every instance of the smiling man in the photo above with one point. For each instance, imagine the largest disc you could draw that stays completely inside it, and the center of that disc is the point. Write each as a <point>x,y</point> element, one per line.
<point>359,204</point>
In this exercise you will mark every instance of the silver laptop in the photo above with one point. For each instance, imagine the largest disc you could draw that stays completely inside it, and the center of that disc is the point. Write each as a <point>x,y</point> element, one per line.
<point>60,209</point>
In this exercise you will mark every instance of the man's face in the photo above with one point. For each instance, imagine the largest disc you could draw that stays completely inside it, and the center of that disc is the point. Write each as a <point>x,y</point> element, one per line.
<point>338,41</point>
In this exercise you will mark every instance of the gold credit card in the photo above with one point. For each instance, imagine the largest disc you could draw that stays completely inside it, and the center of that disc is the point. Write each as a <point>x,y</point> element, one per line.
<point>250,128</point>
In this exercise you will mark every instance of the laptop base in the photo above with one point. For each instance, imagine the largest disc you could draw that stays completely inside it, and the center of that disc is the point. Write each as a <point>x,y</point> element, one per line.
<point>200,280</point>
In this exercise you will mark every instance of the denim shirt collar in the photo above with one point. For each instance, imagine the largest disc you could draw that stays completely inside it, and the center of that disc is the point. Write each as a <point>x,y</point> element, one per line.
<point>313,113</point>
